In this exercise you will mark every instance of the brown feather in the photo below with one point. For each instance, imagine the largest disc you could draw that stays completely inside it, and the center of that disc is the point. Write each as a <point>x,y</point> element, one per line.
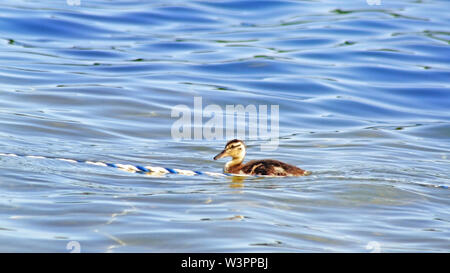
<point>267,167</point>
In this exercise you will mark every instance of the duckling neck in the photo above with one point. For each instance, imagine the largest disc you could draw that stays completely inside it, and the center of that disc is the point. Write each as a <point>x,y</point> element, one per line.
<point>235,162</point>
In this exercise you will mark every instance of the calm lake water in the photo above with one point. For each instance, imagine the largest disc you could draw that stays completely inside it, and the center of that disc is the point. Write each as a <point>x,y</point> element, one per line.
<point>364,103</point>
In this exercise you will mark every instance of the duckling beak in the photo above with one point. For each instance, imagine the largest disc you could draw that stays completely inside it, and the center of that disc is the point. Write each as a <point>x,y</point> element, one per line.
<point>220,155</point>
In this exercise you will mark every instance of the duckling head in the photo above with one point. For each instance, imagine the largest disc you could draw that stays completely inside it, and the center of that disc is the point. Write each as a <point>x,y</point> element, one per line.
<point>234,148</point>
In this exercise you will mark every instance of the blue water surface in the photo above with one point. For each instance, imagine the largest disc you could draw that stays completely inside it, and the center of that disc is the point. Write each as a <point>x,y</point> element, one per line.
<point>364,103</point>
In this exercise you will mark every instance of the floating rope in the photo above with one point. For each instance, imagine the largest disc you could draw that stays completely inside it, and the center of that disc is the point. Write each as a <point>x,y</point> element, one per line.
<point>152,170</point>
<point>148,170</point>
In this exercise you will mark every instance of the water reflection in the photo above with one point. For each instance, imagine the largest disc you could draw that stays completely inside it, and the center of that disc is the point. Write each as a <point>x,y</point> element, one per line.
<point>363,97</point>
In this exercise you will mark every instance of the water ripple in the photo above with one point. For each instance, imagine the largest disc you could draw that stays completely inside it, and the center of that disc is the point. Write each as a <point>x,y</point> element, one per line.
<point>363,98</point>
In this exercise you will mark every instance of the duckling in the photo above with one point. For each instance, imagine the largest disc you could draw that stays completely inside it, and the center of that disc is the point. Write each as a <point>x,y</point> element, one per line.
<point>236,149</point>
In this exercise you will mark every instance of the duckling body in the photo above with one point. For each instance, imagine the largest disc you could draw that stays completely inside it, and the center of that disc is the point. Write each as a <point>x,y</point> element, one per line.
<point>236,150</point>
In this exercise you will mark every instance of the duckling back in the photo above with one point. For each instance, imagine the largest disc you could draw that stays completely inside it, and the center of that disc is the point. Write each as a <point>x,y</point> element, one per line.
<point>269,167</point>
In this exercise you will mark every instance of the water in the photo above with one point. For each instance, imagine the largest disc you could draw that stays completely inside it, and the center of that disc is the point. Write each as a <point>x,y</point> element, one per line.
<point>363,93</point>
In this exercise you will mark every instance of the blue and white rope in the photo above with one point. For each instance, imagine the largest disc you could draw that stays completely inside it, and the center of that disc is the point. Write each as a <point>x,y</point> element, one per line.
<point>152,170</point>
<point>149,170</point>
